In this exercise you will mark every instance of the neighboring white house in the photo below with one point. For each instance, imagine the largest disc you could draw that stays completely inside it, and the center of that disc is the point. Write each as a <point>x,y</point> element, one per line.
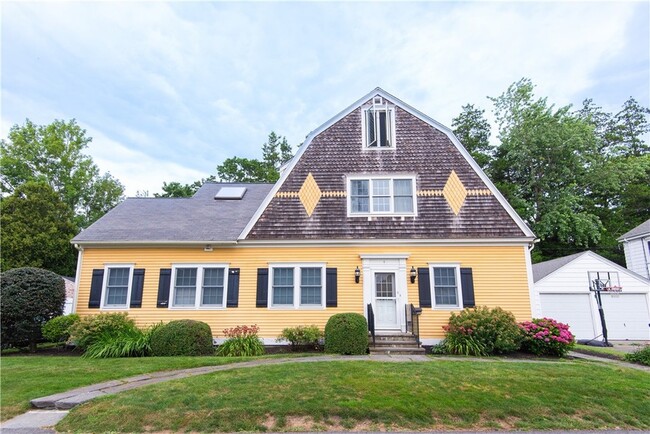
<point>69,295</point>
<point>636,244</point>
<point>561,291</point>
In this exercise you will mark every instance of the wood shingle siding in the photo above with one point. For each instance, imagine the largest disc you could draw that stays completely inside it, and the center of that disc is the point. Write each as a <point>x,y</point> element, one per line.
<point>421,150</point>
<point>499,277</point>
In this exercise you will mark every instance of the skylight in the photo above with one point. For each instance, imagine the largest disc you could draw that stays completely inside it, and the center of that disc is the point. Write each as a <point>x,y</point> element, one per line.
<point>230,193</point>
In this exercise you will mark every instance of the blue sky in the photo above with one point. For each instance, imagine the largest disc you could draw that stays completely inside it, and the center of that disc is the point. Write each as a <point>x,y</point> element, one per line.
<point>169,90</point>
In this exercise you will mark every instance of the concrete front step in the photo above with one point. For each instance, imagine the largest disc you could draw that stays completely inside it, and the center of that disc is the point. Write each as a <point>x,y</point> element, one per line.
<point>402,351</point>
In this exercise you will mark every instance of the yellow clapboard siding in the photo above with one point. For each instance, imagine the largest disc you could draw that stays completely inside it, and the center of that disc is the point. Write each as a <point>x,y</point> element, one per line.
<point>499,272</point>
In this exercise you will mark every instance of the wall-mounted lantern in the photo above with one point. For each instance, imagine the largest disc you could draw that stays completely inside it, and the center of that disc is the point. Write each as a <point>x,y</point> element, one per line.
<point>414,274</point>
<point>357,275</point>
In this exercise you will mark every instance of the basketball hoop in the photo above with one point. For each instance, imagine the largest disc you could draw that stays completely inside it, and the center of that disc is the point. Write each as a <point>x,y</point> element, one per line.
<point>614,291</point>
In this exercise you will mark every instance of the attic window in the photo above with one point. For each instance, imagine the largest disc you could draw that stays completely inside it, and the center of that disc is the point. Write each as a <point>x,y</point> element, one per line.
<point>378,125</point>
<point>230,193</point>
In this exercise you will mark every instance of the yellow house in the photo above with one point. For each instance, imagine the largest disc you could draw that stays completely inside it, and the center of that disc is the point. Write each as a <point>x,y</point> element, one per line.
<point>381,211</point>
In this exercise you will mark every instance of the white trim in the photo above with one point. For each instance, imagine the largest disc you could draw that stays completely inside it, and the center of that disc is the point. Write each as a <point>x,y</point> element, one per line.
<point>107,268</point>
<point>77,278</point>
<point>391,195</point>
<point>446,242</point>
<point>297,278</point>
<point>198,294</point>
<point>397,102</point>
<point>141,243</point>
<point>459,290</point>
<point>535,302</point>
<point>384,256</point>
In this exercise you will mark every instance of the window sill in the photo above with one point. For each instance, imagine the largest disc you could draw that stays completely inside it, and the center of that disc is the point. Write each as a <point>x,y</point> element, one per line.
<point>197,308</point>
<point>447,308</point>
<point>114,308</point>
<point>285,308</point>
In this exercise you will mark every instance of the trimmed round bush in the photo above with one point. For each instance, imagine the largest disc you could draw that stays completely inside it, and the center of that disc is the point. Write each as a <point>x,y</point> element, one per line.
<point>183,337</point>
<point>482,331</point>
<point>346,333</point>
<point>29,297</point>
<point>58,328</point>
<point>546,337</point>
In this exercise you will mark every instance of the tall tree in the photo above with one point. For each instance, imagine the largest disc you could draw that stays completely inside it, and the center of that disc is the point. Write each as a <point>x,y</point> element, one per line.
<point>275,152</point>
<point>54,154</point>
<point>473,131</point>
<point>36,227</point>
<point>545,154</point>
<point>631,126</point>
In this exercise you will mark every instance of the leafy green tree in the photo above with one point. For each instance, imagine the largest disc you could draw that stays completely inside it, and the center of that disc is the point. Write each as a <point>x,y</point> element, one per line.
<point>544,156</point>
<point>275,152</point>
<point>177,189</point>
<point>36,227</point>
<point>631,125</point>
<point>54,154</point>
<point>473,131</point>
<point>30,297</point>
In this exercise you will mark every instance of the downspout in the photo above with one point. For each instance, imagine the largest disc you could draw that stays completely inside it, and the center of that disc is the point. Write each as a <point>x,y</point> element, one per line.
<point>77,277</point>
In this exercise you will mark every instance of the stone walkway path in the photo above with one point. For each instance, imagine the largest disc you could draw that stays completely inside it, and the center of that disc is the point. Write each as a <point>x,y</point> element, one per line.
<point>53,408</point>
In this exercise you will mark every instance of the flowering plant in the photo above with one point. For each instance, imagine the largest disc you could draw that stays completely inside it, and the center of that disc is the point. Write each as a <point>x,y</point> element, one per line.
<point>546,337</point>
<point>242,341</point>
<point>482,331</point>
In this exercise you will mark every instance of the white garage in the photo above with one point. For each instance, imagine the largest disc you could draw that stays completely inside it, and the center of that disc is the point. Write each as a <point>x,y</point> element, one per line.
<point>561,292</point>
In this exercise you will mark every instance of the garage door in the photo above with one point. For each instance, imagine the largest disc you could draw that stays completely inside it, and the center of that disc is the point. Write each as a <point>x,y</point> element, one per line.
<point>571,309</point>
<point>626,316</point>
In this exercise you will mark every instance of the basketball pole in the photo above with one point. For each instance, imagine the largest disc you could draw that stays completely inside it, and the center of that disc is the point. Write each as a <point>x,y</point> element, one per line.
<point>602,316</point>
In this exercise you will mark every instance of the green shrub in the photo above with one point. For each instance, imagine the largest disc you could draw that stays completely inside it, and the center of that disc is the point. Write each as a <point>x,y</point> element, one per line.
<point>242,341</point>
<point>29,297</point>
<point>346,333</point>
<point>546,337</point>
<point>58,328</point>
<point>438,349</point>
<point>641,356</point>
<point>301,337</point>
<point>89,329</point>
<point>482,331</point>
<point>183,337</point>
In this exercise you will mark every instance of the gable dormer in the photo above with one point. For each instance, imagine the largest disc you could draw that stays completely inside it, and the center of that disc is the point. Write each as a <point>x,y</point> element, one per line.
<point>382,170</point>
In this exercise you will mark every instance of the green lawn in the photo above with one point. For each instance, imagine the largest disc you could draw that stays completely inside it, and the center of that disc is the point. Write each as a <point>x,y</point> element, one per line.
<point>366,396</point>
<point>27,377</point>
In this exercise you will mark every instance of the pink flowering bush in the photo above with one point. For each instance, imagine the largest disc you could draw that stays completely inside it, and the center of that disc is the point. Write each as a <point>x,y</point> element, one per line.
<point>242,341</point>
<point>482,331</point>
<point>546,337</point>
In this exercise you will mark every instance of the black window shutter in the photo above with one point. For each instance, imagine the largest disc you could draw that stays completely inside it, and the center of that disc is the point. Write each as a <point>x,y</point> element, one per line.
<point>136,287</point>
<point>233,288</point>
<point>424,287</point>
<point>262,287</point>
<point>467,284</point>
<point>330,287</point>
<point>96,289</point>
<point>164,284</point>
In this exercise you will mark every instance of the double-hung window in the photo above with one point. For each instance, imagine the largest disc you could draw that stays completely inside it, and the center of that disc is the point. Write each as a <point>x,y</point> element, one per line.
<point>117,286</point>
<point>199,286</point>
<point>297,286</point>
<point>445,286</point>
<point>378,125</point>
<point>381,195</point>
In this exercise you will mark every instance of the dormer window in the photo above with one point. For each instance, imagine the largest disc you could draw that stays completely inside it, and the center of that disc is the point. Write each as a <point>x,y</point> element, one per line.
<point>378,125</point>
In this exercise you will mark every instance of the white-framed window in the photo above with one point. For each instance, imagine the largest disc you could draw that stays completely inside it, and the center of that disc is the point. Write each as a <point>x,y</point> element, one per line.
<point>297,285</point>
<point>378,125</point>
<point>199,286</point>
<point>446,292</point>
<point>116,291</point>
<point>381,195</point>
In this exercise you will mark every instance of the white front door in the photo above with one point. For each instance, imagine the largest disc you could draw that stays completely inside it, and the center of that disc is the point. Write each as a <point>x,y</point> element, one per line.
<point>384,288</point>
<point>386,302</point>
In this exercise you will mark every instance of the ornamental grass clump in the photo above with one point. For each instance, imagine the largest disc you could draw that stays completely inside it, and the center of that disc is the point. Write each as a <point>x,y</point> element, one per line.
<point>482,331</point>
<point>546,337</point>
<point>242,342</point>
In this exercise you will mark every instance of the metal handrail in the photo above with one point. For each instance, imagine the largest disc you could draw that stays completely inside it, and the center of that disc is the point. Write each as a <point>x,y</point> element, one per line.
<point>371,323</point>
<point>413,321</point>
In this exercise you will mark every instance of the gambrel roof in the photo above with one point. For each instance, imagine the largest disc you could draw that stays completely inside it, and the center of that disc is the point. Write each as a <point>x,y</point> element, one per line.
<point>455,199</point>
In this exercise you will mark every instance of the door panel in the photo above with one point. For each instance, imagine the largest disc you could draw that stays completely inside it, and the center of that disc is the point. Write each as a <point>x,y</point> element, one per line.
<point>386,301</point>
